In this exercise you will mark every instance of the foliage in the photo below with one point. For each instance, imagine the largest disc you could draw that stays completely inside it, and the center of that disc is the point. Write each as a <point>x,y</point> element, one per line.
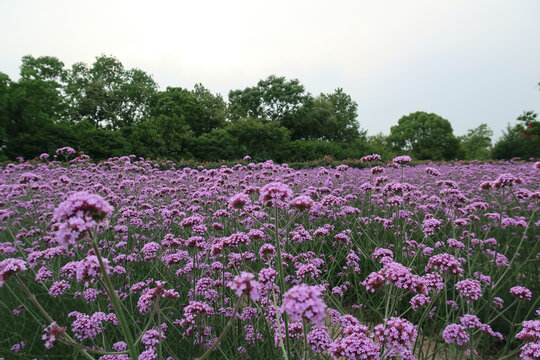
<point>261,140</point>
<point>273,98</point>
<point>108,95</point>
<point>477,143</point>
<point>425,136</point>
<point>515,143</point>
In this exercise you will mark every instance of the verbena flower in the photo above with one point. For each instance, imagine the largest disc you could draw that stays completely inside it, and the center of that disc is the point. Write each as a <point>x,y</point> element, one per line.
<point>303,302</point>
<point>10,266</point>
<point>80,213</point>
<point>521,293</point>
<point>275,193</point>
<point>245,285</point>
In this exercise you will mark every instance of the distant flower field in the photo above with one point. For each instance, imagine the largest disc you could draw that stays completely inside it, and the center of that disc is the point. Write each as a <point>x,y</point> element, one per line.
<point>126,260</point>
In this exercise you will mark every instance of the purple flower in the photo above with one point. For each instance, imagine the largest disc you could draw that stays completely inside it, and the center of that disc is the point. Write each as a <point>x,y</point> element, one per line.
<point>403,159</point>
<point>521,293</point>
<point>239,201</point>
<point>89,269</point>
<point>80,213</point>
<point>455,333</point>
<point>445,263</point>
<point>66,150</point>
<point>58,288</point>
<point>245,285</point>
<point>302,203</point>
<point>10,266</point>
<point>530,351</point>
<point>275,193</point>
<point>470,289</point>
<point>52,333</point>
<point>319,339</point>
<point>303,302</point>
<point>355,346</point>
<point>397,334</point>
<point>530,330</point>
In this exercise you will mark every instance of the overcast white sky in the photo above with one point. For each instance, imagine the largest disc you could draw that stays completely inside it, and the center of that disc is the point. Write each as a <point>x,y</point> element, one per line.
<point>468,61</point>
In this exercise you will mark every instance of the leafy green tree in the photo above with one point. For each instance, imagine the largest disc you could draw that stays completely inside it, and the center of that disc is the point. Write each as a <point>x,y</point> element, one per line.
<point>477,143</point>
<point>216,145</point>
<point>261,140</point>
<point>271,99</point>
<point>330,117</point>
<point>160,136</point>
<point>100,143</point>
<point>5,83</point>
<point>34,108</point>
<point>345,110</point>
<point>108,95</point>
<point>425,136</point>
<point>199,109</point>
<point>515,143</point>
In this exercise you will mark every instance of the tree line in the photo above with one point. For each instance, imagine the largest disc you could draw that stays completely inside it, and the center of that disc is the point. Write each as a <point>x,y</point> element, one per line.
<point>105,110</point>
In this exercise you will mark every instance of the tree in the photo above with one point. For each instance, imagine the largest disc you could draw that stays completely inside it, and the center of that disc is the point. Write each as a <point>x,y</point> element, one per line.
<point>477,143</point>
<point>329,117</point>
<point>272,99</point>
<point>261,140</point>
<point>199,109</point>
<point>345,110</point>
<point>108,95</point>
<point>515,143</point>
<point>34,108</point>
<point>216,145</point>
<point>425,136</point>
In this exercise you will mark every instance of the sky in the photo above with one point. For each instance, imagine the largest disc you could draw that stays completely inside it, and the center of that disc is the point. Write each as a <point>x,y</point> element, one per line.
<point>469,61</point>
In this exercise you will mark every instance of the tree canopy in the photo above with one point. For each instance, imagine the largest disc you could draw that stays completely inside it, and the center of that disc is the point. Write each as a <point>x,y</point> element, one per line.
<point>425,136</point>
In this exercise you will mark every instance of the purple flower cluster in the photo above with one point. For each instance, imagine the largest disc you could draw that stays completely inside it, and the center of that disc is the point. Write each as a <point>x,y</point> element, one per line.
<point>303,302</point>
<point>78,214</point>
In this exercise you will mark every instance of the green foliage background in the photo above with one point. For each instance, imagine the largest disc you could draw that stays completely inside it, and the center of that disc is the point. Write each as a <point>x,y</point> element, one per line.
<point>105,110</point>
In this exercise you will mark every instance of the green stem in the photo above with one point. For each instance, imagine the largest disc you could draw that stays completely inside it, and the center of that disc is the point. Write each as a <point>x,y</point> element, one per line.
<point>116,303</point>
<point>229,323</point>
<point>46,314</point>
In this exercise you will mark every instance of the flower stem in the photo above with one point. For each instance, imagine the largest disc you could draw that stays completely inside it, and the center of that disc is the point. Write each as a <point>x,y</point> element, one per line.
<point>116,303</point>
<point>209,351</point>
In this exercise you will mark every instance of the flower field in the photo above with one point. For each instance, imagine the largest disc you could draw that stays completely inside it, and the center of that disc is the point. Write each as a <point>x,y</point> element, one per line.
<point>126,259</point>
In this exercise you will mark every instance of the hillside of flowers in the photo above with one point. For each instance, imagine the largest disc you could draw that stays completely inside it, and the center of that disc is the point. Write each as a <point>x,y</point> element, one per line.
<point>127,259</point>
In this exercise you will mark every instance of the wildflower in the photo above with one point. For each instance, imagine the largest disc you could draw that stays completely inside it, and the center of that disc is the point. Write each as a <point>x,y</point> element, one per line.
<point>433,171</point>
<point>530,330</point>
<point>89,269</point>
<point>239,201</point>
<point>52,333</point>
<point>372,157</point>
<point>275,193</point>
<point>470,289</point>
<point>303,302</point>
<point>302,203</point>
<point>419,300</point>
<point>10,266</point>
<point>43,274</point>
<point>245,285</point>
<point>455,333</point>
<point>267,252</point>
<point>403,159</point>
<point>355,346</point>
<point>80,213</point>
<point>506,180</point>
<point>521,293</point>
<point>66,150</point>
<point>58,288</point>
<point>445,263</point>
<point>397,334</point>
